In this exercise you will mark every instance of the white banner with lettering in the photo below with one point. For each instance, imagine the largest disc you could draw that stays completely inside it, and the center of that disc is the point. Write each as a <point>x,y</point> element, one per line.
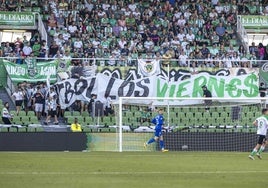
<point>220,86</point>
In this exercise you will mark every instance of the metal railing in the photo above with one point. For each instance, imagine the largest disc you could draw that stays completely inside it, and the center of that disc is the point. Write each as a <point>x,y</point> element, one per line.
<point>171,61</point>
<point>242,33</point>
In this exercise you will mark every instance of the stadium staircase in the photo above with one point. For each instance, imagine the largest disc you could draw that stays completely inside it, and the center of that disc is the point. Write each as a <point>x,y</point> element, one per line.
<point>6,98</point>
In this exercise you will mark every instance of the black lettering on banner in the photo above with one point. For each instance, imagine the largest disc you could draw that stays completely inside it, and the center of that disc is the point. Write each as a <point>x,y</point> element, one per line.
<point>90,88</point>
<point>81,89</point>
<point>131,87</point>
<point>109,86</point>
<point>144,87</point>
<point>68,92</point>
<point>59,87</point>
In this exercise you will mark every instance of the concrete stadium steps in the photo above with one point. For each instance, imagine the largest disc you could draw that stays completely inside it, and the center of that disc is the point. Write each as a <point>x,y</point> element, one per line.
<point>5,98</point>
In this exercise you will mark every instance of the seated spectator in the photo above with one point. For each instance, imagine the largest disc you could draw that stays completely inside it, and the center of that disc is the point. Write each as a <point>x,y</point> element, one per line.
<point>72,29</point>
<point>214,50</point>
<point>75,126</point>
<point>215,39</point>
<point>6,116</point>
<point>220,31</point>
<point>78,45</point>
<point>53,49</point>
<point>182,60</point>
<point>204,50</point>
<point>52,22</point>
<point>149,44</point>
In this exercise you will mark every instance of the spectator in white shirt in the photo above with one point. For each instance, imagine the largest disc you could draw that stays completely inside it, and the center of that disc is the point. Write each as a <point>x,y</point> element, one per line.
<point>18,95</point>
<point>6,116</point>
<point>122,42</point>
<point>149,44</point>
<point>78,44</point>
<point>181,35</point>
<point>181,22</point>
<point>27,50</point>
<point>214,50</point>
<point>72,29</point>
<point>183,59</point>
<point>190,37</point>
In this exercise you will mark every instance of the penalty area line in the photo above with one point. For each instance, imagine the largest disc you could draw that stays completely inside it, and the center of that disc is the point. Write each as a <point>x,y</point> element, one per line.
<point>129,173</point>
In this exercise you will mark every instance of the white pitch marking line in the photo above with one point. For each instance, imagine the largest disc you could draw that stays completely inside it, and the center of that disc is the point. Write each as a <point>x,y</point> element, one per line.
<point>129,173</point>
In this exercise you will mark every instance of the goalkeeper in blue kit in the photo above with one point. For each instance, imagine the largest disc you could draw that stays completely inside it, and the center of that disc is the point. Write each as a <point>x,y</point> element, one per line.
<point>158,121</point>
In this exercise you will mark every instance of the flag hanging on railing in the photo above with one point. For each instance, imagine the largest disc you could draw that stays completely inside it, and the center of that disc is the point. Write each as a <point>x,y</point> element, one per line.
<point>148,67</point>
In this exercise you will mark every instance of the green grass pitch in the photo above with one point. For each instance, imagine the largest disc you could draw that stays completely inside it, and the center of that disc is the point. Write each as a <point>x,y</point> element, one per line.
<point>131,169</point>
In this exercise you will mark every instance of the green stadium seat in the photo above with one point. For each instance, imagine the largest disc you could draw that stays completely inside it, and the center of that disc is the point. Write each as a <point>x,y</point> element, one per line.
<point>16,120</point>
<point>31,113</point>
<point>70,119</point>
<point>76,113</point>
<point>206,115</point>
<point>67,113</point>
<point>34,119</point>
<point>22,113</point>
<point>198,115</point>
<point>25,120</point>
<point>89,120</point>
<point>224,114</point>
<point>215,114</point>
<point>189,115</point>
<point>85,114</point>
<point>185,110</point>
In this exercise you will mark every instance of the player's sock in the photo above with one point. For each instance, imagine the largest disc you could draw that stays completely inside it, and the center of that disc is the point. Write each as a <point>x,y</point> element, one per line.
<point>261,149</point>
<point>161,142</point>
<point>151,141</point>
<point>253,152</point>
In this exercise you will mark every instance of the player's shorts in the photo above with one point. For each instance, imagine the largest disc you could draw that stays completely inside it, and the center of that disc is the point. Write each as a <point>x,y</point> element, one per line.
<point>158,133</point>
<point>261,139</point>
<point>38,107</point>
<point>18,102</point>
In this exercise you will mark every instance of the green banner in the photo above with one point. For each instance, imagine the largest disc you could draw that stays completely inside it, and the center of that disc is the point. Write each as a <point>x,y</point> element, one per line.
<point>254,21</point>
<point>17,19</point>
<point>32,71</point>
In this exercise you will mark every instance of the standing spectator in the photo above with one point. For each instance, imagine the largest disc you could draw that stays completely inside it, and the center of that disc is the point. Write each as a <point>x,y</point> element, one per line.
<point>52,107</point>
<point>52,22</point>
<point>108,105</point>
<point>36,48</point>
<point>220,31</point>
<point>38,98</point>
<point>6,116</point>
<point>261,51</point>
<point>18,95</point>
<point>20,57</point>
<point>27,50</point>
<point>53,49</point>
<point>182,59</point>
<point>155,37</point>
<point>262,90</point>
<point>207,94</point>
<point>72,29</point>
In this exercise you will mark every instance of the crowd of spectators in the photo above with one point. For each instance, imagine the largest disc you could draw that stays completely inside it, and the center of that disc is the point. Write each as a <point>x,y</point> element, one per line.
<point>44,101</point>
<point>121,31</point>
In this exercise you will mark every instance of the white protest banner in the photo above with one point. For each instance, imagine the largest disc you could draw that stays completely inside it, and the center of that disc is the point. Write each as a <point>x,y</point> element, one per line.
<point>220,86</point>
